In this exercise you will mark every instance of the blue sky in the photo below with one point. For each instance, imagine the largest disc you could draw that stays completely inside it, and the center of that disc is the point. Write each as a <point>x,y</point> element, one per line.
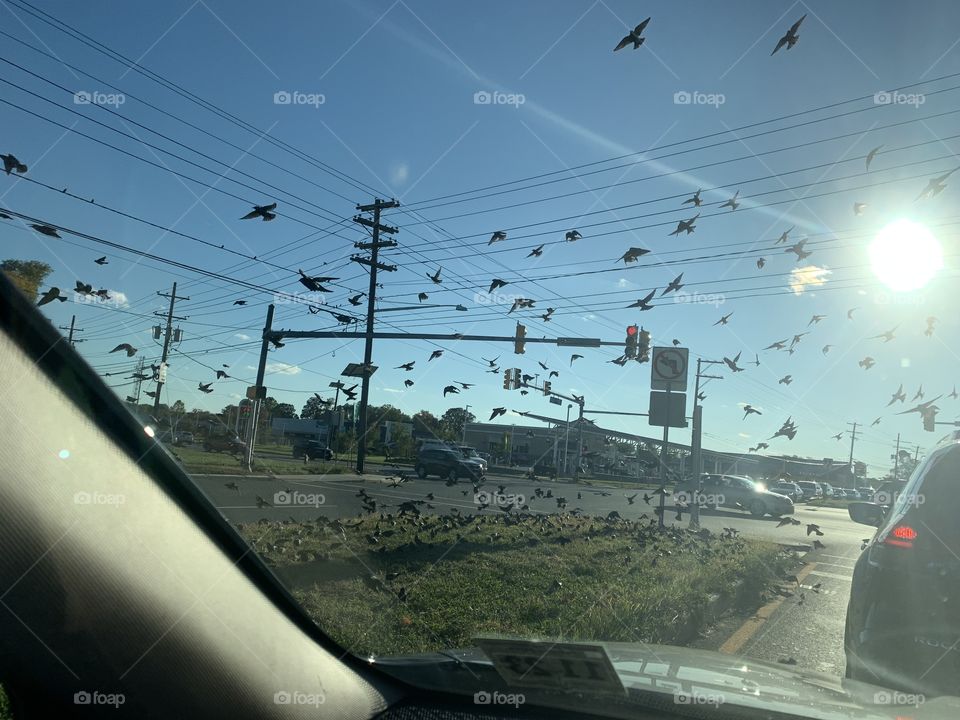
<point>399,115</point>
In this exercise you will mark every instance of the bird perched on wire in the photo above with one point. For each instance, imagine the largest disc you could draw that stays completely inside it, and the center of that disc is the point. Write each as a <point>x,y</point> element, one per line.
<point>45,230</point>
<point>265,212</point>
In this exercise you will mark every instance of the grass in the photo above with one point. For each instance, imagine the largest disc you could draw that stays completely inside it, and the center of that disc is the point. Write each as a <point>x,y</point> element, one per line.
<point>196,460</point>
<point>414,584</point>
<point>5,712</point>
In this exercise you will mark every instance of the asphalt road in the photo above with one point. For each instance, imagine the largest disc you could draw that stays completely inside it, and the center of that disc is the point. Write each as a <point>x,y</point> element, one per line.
<point>807,629</point>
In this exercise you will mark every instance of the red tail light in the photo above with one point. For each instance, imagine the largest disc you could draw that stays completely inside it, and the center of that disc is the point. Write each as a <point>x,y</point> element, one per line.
<point>901,536</point>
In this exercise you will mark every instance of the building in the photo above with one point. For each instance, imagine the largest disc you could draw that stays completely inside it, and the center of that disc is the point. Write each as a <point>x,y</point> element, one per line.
<point>294,429</point>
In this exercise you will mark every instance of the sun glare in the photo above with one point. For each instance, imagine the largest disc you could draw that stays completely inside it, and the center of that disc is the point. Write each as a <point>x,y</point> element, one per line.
<point>905,255</point>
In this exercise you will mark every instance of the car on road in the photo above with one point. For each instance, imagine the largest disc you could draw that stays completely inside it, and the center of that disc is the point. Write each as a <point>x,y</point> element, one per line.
<point>903,615</point>
<point>737,491</point>
<point>472,455</point>
<point>311,450</point>
<point>223,443</point>
<point>810,489</point>
<point>446,463</point>
<point>826,489</point>
<point>183,438</point>
<point>790,489</point>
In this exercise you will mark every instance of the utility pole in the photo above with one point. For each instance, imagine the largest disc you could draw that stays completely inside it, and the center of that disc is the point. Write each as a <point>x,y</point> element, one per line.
<point>72,329</point>
<point>853,439</point>
<point>896,459</point>
<point>166,343</point>
<point>139,382</point>
<point>696,459</point>
<point>576,470</point>
<point>260,391</point>
<point>374,248</point>
<point>463,437</point>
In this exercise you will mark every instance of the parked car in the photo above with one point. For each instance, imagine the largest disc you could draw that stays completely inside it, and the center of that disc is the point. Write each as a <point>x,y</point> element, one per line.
<point>223,443</point>
<point>183,438</point>
<point>826,489</point>
<point>311,450</point>
<point>810,489</point>
<point>737,491</point>
<point>790,489</point>
<point>446,463</point>
<point>903,616</point>
<point>850,494</point>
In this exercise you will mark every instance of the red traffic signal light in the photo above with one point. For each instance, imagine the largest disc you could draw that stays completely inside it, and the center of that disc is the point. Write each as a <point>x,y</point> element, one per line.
<point>630,344</point>
<point>632,330</point>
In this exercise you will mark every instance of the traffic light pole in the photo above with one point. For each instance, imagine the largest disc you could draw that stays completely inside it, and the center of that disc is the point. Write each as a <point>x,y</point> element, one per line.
<point>696,440</point>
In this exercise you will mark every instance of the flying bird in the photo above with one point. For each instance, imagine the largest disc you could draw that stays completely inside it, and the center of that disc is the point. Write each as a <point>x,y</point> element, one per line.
<point>498,236</point>
<point>898,395</point>
<point>221,375</point>
<point>497,412</point>
<point>574,357</point>
<point>355,299</point>
<point>205,387</point>
<point>785,380</point>
<point>50,295</point>
<point>450,389</point>
<point>867,363</point>
<point>732,363</point>
<point>928,411</point>
<point>635,37</point>
<point>126,347</point>
<point>102,261</point>
<point>521,303</point>
<point>546,316</point>
<point>859,208</point>
<point>435,354</point>
<point>572,235</point>
<point>953,393</point>
<point>885,336</point>
<point>750,410</point>
<point>756,360</point>
<point>264,212</point>
<point>815,319</point>
<point>553,374</point>
<point>732,203</point>
<point>408,383</point>
<point>761,262</point>
<point>496,284</point>
<point>675,284</point>
<point>790,37</point>
<point>45,230</point>
<point>644,303</point>
<point>536,252</point>
<point>723,320</point>
<point>875,422</point>
<point>10,163</point>
<point>850,313</point>
<point>493,362</point>
<point>871,155</point>
<point>239,302</point>
<point>632,254</point>
<point>785,236</point>
<point>936,186</point>
<point>686,225</point>
<point>463,385</point>
<point>315,284</point>
<point>797,249</point>
<point>695,199</point>
<point>435,277</point>
<point>826,349</point>
<point>408,366</point>
<point>919,395</point>
<point>838,436</point>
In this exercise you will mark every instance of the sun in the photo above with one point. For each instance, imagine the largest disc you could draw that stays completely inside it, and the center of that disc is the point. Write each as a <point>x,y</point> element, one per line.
<point>905,255</point>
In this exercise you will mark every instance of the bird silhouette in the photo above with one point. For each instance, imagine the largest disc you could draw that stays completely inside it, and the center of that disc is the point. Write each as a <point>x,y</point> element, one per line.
<point>205,387</point>
<point>785,380</point>
<point>732,202</point>
<point>784,236</point>
<point>45,230</point>
<point>644,303</point>
<point>936,186</point>
<point>102,260</point>
<point>264,212</point>
<point>761,262</point>
<point>815,319</point>
<point>435,354</point>
<point>867,363</point>
<point>497,412</point>
<point>546,316</point>
<point>826,349</point>
<point>572,236</point>
<point>850,313</point>
<point>126,347</point>
<point>686,226</point>
<point>931,321</point>
<point>750,410</point>
<point>885,336</point>
<point>871,155</point>
<point>694,199</point>
<point>408,383</point>
<point>790,37</point>
<point>536,252</point>
<point>953,393</point>
<point>50,295</point>
<point>496,284</point>
<point>632,254</point>
<point>493,362</point>
<point>435,277</point>
<point>635,37</point>
<point>797,249</point>
<point>10,163</point>
<point>674,285</point>
<point>422,296</point>
<point>498,236</point>
<point>778,345</point>
<point>574,357</point>
<point>732,363</point>
<point>408,366</point>
<point>919,394</point>
<point>450,389</point>
<point>859,208</point>
<point>221,375</point>
<point>314,284</point>
<point>723,320</point>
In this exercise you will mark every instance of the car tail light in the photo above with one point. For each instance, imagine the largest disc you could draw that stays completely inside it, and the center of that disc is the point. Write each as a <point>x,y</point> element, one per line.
<point>900,536</point>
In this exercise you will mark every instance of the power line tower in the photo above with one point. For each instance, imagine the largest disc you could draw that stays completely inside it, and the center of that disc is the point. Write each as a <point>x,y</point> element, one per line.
<point>72,329</point>
<point>374,247</point>
<point>166,341</point>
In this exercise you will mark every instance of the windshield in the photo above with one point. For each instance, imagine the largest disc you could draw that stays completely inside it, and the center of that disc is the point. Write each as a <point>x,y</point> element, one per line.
<point>628,262</point>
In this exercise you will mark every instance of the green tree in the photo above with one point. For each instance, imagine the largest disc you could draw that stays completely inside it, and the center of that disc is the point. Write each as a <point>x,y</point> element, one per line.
<point>452,422</point>
<point>345,441</point>
<point>28,275</point>
<point>905,466</point>
<point>313,408</point>
<point>178,408</point>
<point>284,410</point>
<point>426,423</point>
<point>402,443</point>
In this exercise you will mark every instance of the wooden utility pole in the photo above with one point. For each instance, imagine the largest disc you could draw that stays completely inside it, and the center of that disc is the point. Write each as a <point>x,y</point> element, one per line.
<point>72,330</point>
<point>166,343</point>
<point>374,247</point>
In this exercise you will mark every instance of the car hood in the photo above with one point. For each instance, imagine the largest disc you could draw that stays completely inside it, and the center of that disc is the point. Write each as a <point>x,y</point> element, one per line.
<point>654,675</point>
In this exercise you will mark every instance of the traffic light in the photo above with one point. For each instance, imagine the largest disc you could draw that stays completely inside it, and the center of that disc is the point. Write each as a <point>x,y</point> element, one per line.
<point>630,344</point>
<point>929,421</point>
<point>520,339</point>
<point>546,387</point>
<point>643,345</point>
<point>507,383</point>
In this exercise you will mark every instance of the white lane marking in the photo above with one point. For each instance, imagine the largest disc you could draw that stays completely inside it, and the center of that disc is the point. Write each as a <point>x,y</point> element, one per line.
<point>835,576</point>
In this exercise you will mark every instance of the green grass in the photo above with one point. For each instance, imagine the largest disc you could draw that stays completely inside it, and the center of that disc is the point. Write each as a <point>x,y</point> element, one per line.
<point>196,460</point>
<point>436,582</point>
<point>5,712</point>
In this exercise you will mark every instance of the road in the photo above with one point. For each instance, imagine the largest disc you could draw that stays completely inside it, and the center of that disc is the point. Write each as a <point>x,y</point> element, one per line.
<point>808,630</point>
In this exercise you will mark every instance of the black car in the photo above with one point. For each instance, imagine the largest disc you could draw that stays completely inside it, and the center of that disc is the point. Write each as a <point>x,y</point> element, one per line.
<point>312,450</point>
<point>447,463</point>
<point>903,617</point>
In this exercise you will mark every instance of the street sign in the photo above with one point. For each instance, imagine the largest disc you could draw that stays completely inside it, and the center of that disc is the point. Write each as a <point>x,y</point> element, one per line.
<point>254,393</point>
<point>668,370</point>
<point>668,409</point>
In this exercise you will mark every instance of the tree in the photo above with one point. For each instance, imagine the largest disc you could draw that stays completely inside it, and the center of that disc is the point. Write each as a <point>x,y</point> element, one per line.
<point>905,466</point>
<point>285,410</point>
<point>452,422</point>
<point>28,275</point>
<point>426,423</point>
<point>345,441</point>
<point>402,443</point>
<point>178,407</point>
<point>313,409</point>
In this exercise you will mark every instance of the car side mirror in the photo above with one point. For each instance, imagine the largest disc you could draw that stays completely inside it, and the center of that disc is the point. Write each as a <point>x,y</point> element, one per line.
<point>866,513</point>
